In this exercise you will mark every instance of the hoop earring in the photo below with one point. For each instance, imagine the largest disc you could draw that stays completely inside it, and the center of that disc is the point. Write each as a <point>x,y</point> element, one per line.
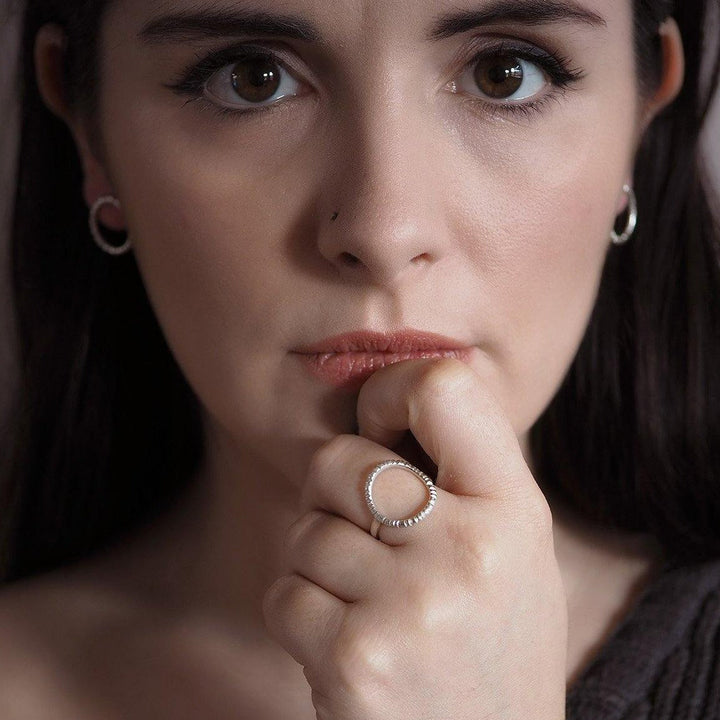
<point>631,221</point>
<point>103,244</point>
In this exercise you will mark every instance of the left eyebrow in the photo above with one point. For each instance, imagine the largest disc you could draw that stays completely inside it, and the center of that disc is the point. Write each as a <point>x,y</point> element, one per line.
<point>520,12</point>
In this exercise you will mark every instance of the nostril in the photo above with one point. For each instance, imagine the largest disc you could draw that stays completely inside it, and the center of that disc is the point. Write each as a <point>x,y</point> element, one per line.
<point>349,260</point>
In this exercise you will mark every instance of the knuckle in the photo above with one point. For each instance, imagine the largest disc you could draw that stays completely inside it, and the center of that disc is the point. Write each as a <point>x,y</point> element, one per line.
<point>445,377</point>
<point>524,503</point>
<point>540,519</point>
<point>432,611</point>
<point>487,561</point>
<point>447,380</point>
<point>329,453</point>
<point>324,709</point>
<point>305,530</point>
<point>363,660</point>
<point>286,597</point>
<point>528,517</point>
<point>274,601</point>
<point>481,559</point>
<point>478,554</point>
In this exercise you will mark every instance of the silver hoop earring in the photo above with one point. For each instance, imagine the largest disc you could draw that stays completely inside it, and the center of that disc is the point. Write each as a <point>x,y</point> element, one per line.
<point>631,221</point>
<point>102,243</point>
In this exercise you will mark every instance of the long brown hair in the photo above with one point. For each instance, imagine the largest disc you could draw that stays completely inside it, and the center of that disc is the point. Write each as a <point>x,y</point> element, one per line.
<point>107,431</point>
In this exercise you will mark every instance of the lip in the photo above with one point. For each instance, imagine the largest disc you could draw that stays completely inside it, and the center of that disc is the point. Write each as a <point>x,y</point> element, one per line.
<point>346,361</point>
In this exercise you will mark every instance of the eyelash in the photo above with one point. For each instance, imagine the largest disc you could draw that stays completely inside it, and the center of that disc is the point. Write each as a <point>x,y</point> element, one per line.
<point>555,65</point>
<point>562,77</point>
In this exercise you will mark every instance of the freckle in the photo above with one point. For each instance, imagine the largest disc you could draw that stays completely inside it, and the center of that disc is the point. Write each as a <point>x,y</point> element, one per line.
<point>334,217</point>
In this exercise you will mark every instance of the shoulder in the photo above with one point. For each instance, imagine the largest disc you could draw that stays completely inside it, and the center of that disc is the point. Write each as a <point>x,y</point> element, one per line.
<point>55,634</point>
<point>75,647</point>
<point>31,681</point>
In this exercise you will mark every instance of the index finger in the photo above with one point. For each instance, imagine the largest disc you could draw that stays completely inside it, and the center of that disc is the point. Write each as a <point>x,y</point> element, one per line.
<point>456,420</point>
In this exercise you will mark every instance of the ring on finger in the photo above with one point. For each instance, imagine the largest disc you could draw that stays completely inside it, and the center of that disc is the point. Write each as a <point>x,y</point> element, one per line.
<point>380,519</point>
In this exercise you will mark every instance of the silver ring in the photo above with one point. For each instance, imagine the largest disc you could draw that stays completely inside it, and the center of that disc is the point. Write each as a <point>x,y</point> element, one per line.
<point>101,242</point>
<point>631,221</point>
<point>380,519</point>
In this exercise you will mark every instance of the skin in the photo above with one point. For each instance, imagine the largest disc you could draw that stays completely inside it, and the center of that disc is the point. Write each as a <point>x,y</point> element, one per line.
<point>490,229</point>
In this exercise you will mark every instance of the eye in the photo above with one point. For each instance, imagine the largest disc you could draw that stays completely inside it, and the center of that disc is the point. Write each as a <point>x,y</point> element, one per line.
<point>238,80</point>
<point>256,79</point>
<point>509,78</point>
<point>503,76</point>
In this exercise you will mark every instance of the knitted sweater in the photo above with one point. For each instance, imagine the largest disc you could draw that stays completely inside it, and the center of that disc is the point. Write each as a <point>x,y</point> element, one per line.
<point>663,660</point>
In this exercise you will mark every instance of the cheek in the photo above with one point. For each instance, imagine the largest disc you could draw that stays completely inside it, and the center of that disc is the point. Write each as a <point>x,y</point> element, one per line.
<point>199,247</point>
<point>206,200</point>
<point>204,242</point>
<point>542,217</point>
<point>201,198</point>
<point>213,227</point>
<point>207,238</point>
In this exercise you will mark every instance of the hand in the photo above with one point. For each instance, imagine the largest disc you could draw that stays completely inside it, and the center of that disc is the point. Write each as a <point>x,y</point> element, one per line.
<point>460,617</point>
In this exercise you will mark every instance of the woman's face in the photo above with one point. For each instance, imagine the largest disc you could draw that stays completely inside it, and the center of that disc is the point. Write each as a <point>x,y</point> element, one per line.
<point>474,197</point>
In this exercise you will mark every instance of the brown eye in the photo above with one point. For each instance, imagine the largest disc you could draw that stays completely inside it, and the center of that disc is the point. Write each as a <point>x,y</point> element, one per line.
<point>256,79</point>
<point>502,76</point>
<point>499,76</point>
<point>252,82</point>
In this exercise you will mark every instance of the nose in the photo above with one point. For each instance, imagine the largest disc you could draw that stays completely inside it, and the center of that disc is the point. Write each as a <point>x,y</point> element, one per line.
<point>384,216</point>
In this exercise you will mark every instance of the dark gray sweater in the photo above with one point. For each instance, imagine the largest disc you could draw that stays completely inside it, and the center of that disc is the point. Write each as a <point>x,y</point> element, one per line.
<point>663,661</point>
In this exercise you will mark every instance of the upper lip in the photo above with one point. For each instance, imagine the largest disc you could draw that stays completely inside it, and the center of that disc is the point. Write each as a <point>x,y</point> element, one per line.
<point>399,341</point>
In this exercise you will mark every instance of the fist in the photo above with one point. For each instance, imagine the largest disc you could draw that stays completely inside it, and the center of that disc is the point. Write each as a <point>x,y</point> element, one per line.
<point>460,617</point>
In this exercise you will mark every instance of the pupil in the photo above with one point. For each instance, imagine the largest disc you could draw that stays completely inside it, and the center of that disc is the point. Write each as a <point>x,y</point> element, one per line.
<point>499,77</point>
<point>256,79</point>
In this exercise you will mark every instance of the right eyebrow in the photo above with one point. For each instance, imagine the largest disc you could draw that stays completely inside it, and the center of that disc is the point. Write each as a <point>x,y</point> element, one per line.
<point>215,22</point>
<point>219,22</point>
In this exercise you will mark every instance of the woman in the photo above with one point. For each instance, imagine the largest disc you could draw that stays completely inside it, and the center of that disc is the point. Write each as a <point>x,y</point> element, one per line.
<point>323,236</point>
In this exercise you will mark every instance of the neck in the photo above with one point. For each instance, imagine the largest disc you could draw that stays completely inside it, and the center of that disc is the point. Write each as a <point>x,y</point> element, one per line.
<point>216,553</point>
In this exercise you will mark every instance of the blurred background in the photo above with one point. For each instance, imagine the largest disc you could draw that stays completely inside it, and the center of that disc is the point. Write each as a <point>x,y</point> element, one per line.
<point>9,130</point>
<point>10,12</point>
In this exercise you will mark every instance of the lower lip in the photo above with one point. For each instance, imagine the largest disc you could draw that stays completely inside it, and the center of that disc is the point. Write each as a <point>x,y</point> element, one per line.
<point>349,370</point>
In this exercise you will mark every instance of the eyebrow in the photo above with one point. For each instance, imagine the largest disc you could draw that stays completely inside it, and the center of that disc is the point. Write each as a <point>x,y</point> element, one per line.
<point>527,12</point>
<point>217,22</point>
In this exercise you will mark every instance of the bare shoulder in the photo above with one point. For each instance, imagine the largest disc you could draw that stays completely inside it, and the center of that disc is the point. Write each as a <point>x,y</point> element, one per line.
<point>73,647</point>
<point>53,632</point>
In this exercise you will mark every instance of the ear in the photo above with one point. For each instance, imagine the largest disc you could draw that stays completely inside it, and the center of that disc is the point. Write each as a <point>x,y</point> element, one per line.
<point>49,52</point>
<point>673,73</point>
<point>671,82</point>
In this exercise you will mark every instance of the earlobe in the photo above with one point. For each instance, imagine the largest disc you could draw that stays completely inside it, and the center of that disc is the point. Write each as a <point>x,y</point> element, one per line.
<point>49,50</point>
<point>673,71</point>
<point>96,185</point>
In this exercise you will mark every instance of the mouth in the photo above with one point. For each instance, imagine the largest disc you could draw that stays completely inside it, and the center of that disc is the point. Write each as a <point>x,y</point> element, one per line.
<point>346,361</point>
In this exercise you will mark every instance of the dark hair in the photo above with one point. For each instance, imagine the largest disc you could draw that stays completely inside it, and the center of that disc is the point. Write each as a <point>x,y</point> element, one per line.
<point>632,438</point>
<point>106,430</point>
<point>108,433</point>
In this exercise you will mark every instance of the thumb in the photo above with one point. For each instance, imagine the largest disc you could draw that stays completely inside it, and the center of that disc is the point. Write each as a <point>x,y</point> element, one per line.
<point>455,419</point>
